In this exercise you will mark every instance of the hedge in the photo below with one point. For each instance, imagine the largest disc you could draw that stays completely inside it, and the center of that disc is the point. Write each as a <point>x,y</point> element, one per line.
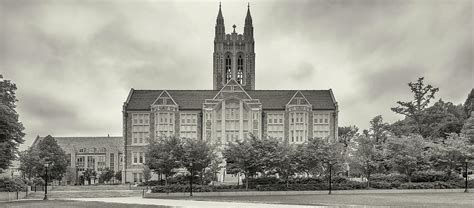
<point>12,184</point>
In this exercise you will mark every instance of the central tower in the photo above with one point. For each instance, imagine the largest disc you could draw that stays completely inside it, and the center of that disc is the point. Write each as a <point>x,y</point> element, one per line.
<point>234,55</point>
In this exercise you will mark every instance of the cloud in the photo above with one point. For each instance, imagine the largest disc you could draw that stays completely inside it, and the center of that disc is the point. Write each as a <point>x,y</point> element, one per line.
<point>75,61</point>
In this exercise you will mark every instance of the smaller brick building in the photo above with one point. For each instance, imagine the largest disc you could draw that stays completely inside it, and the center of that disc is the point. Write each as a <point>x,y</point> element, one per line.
<point>95,153</point>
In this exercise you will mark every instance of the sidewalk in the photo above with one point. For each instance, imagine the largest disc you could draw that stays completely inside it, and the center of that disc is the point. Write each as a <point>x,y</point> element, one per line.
<point>190,203</point>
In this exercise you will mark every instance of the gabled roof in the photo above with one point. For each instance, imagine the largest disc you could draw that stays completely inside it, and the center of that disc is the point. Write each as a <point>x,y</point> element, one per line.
<point>193,99</point>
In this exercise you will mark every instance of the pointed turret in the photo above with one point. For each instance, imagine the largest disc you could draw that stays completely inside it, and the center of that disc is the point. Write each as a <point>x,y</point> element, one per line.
<point>220,28</point>
<point>248,28</point>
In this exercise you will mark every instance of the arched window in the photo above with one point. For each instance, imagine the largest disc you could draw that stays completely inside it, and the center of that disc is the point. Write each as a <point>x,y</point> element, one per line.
<point>240,70</point>
<point>228,68</point>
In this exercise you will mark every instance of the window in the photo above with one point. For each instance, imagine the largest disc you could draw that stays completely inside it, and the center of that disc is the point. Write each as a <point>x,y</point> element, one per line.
<point>164,124</point>
<point>240,70</point>
<point>188,125</point>
<point>321,125</point>
<point>138,157</point>
<point>91,162</point>
<point>80,162</point>
<point>112,161</point>
<point>228,68</point>
<point>275,126</point>
<point>298,126</point>
<point>101,162</point>
<point>141,129</point>
<point>232,125</point>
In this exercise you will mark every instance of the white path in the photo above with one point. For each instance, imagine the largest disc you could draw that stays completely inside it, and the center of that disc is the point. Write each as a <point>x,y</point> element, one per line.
<point>189,203</point>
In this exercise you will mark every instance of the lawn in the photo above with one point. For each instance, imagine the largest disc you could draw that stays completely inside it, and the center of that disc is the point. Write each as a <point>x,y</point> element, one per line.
<point>387,199</point>
<point>69,204</point>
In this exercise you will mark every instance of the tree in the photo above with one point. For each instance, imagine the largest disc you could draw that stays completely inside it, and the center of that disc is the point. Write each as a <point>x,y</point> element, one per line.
<point>164,155</point>
<point>287,161</point>
<point>346,134</point>
<point>441,119</point>
<point>106,175</point>
<point>452,153</point>
<point>241,157</point>
<point>11,129</point>
<point>29,163</point>
<point>367,156</point>
<point>414,109</point>
<point>407,154</point>
<point>89,174</point>
<point>197,156</point>
<point>266,152</point>
<point>469,103</point>
<point>378,130</point>
<point>118,175</point>
<point>50,151</point>
<point>146,173</point>
<point>70,174</point>
<point>468,129</point>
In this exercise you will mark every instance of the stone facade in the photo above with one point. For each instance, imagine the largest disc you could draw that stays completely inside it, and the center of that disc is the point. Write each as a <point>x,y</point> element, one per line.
<point>233,110</point>
<point>95,153</point>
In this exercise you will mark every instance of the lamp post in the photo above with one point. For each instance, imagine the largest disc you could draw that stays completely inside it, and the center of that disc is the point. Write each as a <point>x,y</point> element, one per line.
<point>330,182</point>
<point>77,174</point>
<point>465,182</point>
<point>46,165</point>
<point>191,180</point>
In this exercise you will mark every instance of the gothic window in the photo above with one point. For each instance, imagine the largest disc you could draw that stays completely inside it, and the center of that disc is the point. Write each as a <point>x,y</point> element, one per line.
<point>321,125</point>
<point>275,127</point>
<point>164,124</point>
<point>228,68</point>
<point>298,126</point>
<point>240,70</point>
<point>188,125</point>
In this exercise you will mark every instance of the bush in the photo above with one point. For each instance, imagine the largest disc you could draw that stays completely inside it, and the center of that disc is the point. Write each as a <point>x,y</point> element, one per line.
<point>254,182</point>
<point>428,185</point>
<point>429,176</point>
<point>12,184</point>
<point>390,178</point>
<point>381,185</point>
<point>181,188</point>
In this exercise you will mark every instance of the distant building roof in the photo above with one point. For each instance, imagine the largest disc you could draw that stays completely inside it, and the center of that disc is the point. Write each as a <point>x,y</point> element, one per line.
<point>73,144</point>
<point>193,99</point>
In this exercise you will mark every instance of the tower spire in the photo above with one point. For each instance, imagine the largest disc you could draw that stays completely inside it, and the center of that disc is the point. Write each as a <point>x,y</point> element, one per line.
<point>220,28</point>
<point>248,18</point>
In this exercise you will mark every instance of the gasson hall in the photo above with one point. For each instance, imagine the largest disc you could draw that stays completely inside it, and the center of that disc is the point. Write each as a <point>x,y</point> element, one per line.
<point>232,110</point>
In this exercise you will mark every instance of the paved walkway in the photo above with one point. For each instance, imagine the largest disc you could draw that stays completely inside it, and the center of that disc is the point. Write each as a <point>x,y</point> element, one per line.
<point>189,203</point>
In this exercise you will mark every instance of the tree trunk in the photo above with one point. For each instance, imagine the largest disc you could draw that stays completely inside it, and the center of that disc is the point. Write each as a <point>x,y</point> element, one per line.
<point>368,178</point>
<point>246,181</point>
<point>166,179</point>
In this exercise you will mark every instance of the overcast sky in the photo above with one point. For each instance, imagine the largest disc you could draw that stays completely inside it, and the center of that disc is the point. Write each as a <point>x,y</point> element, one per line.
<point>74,62</point>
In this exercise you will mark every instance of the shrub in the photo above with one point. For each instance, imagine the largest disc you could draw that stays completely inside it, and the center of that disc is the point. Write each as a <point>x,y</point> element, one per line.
<point>309,180</point>
<point>428,185</point>
<point>381,185</point>
<point>429,176</point>
<point>12,184</point>
<point>181,188</point>
<point>253,182</point>
<point>390,178</point>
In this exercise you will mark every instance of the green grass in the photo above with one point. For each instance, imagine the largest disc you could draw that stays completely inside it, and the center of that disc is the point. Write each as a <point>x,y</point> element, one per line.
<point>70,204</point>
<point>391,199</point>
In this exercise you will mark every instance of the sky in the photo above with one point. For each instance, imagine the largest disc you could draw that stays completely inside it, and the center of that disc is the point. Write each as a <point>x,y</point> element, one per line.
<point>74,62</point>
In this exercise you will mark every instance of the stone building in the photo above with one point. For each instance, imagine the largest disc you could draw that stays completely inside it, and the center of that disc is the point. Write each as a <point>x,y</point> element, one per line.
<point>231,111</point>
<point>95,153</point>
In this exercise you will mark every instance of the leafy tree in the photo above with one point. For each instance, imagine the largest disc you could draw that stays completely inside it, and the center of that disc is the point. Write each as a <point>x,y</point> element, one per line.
<point>197,156</point>
<point>11,129</point>
<point>441,119</point>
<point>414,109</point>
<point>29,163</point>
<point>106,175</point>
<point>407,154</point>
<point>89,174</point>
<point>50,151</point>
<point>164,155</point>
<point>118,175</point>
<point>287,161</point>
<point>378,130</point>
<point>452,153</point>
<point>346,134</point>
<point>469,103</point>
<point>367,156</point>
<point>146,173</point>
<point>241,157</point>
<point>468,129</point>
<point>266,152</point>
